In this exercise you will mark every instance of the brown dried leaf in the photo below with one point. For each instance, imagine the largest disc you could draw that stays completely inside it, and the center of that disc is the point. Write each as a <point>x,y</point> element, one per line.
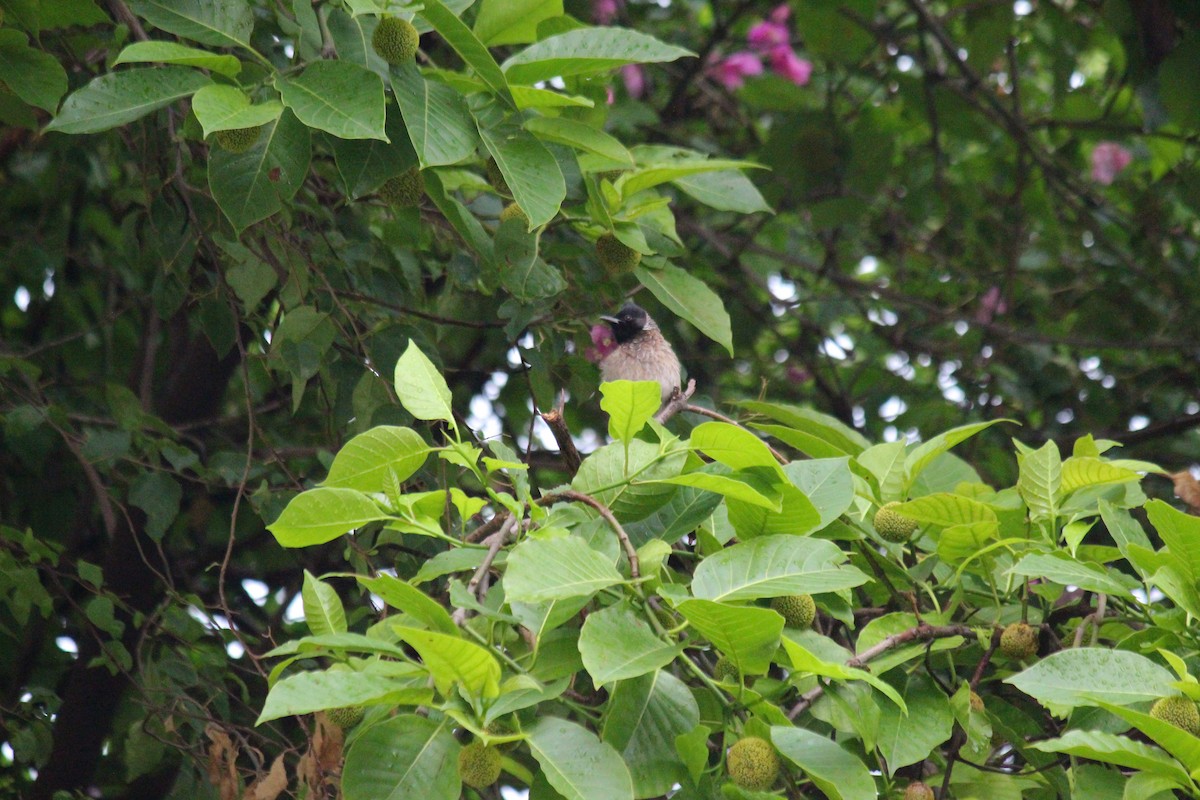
<point>1187,489</point>
<point>222,762</point>
<point>327,745</point>
<point>269,786</point>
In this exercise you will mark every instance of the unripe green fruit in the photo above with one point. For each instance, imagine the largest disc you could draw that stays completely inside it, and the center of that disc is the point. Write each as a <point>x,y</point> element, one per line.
<point>753,764</point>
<point>514,211</point>
<point>495,177</point>
<point>346,716</point>
<point>611,175</point>
<point>395,40</point>
<point>404,191</point>
<point>726,670</point>
<point>1019,641</point>
<point>798,610</point>
<point>918,791</point>
<point>615,256</point>
<point>892,525</point>
<point>237,140</point>
<point>478,765</point>
<point>1180,711</point>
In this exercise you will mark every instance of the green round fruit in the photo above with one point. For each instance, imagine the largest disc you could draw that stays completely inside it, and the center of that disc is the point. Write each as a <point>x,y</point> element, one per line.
<point>1019,641</point>
<point>346,716</point>
<point>726,670</point>
<point>1178,710</point>
<point>395,40</point>
<point>753,764</point>
<point>478,765</point>
<point>237,140</point>
<point>798,610</point>
<point>404,191</point>
<point>615,256</point>
<point>612,175</point>
<point>514,211</point>
<point>892,525</point>
<point>917,790</point>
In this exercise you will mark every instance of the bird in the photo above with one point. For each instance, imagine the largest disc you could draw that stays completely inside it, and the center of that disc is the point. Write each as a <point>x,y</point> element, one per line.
<point>641,352</point>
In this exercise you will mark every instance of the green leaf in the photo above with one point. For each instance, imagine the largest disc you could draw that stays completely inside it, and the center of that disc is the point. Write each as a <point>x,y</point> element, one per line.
<point>771,566</point>
<point>306,692</point>
<point>411,600</point>
<point>797,516</point>
<point>1066,571</point>
<point>337,97</point>
<point>644,718</point>
<point>1109,748</point>
<point>252,186</point>
<point>629,405</point>
<point>159,495</point>
<point>405,756</point>
<point>421,388</point>
<point>1180,532</point>
<point>1083,675</point>
<point>174,53</point>
<point>924,453</point>
<point>219,23</point>
<point>690,298</point>
<point>948,510</point>
<point>456,34</point>
<point>552,569</point>
<point>323,611</point>
<point>32,75</point>
<point>454,661</point>
<point>733,446</point>
<point>818,435</point>
<point>617,645</point>
<point>118,98</point>
<point>531,97</point>
<point>502,22</point>
<point>749,487</point>
<point>1175,740</point>
<point>365,164</point>
<point>439,125</point>
<point>321,515</point>
<point>908,738</point>
<point>749,636</point>
<point>1079,472</point>
<point>223,108</point>
<point>577,764</point>
<point>623,477</point>
<point>725,190</point>
<point>803,660</point>
<point>522,271</point>
<point>1040,481</point>
<point>578,135</point>
<point>587,50</point>
<point>364,461</point>
<point>530,170</point>
<point>836,772</point>
<point>886,462</point>
<point>656,174</point>
<point>826,482</point>
<point>687,508</point>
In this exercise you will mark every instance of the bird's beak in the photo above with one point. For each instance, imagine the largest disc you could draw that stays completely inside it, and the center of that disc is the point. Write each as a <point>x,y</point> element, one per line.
<point>613,320</point>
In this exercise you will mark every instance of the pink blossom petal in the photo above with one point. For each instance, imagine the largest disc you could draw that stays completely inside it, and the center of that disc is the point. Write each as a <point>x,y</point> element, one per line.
<point>605,11</point>
<point>991,305</point>
<point>731,71</point>
<point>635,80</point>
<point>765,35</point>
<point>786,63</point>
<point>602,338</point>
<point>1108,159</point>
<point>782,13</point>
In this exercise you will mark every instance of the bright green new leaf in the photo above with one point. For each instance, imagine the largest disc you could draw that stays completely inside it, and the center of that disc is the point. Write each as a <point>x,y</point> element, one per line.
<point>771,566</point>
<point>749,636</point>
<point>321,515</point>
<point>579,135</point>
<point>175,53</point>
<point>805,661</point>
<point>221,108</point>
<point>502,22</point>
<point>452,660</point>
<point>306,692</point>
<point>834,770</point>
<point>629,405</point>
<point>118,98</point>
<point>617,645</point>
<point>1066,571</point>
<point>364,461</point>
<point>924,453</point>
<point>323,611</point>
<point>733,446</point>
<point>577,764</point>
<point>587,50</point>
<point>421,388</point>
<point>1040,481</point>
<point>407,598</point>
<point>553,569</point>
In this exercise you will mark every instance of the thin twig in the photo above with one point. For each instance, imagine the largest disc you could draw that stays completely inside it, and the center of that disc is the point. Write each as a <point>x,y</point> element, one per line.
<point>478,583</point>
<point>557,423</point>
<point>677,402</point>
<point>708,412</point>
<point>580,497</point>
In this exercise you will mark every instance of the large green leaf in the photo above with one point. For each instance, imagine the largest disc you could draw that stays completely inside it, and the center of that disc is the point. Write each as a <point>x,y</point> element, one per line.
<point>407,598</point>
<point>834,770</point>
<point>748,636</point>
<point>175,53</point>
<point>644,717</point>
<point>252,186</point>
<point>405,756</point>
<point>1062,569</point>
<point>622,477</point>
<point>826,482</point>
<point>221,108</point>
<point>805,661</point>
<point>32,75</point>
<point>218,23</point>
<point>421,388</point>
<point>530,170</point>
<point>1083,675</point>
<point>587,50</point>
<point>947,510</point>
<point>748,486</point>
<point>118,98</point>
<point>436,116</point>
<point>454,661</point>
<point>677,169</point>
<point>579,135</point>
<point>1180,532</point>
<point>1040,481</point>
<point>1109,748</point>
<point>733,446</point>
<point>823,436</point>
<point>323,610</point>
<point>617,645</point>
<point>306,692</point>
<point>337,97</point>
<point>553,569</point>
<point>321,515</point>
<point>1172,738</point>
<point>908,738</point>
<point>364,461</point>
<point>1079,472</point>
<point>469,48</point>
<point>513,21</point>
<point>724,190</point>
<point>690,298</point>
<point>629,405</point>
<point>924,453</point>
<point>771,566</point>
<point>577,764</point>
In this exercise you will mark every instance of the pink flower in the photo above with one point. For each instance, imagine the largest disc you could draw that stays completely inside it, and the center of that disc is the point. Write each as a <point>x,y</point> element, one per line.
<point>605,11</point>
<point>787,64</point>
<point>798,374</point>
<point>1109,158</point>
<point>635,80</point>
<point>991,305</point>
<point>766,35</point>
<point>610,95</point>
<point>603,341</point>
<point>731,71</point>
<point>782,13</point>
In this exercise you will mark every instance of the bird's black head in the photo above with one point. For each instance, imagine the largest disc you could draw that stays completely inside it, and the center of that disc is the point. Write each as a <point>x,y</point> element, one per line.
<point>629,322</point>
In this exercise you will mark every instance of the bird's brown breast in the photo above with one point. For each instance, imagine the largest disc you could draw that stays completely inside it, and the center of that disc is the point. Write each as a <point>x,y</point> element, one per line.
<point>645,357</point>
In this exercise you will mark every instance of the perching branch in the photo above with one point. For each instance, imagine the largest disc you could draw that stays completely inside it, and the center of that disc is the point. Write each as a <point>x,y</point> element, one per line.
<point>478,585</point>
<point>566,445</point>
<point>580,497</point>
